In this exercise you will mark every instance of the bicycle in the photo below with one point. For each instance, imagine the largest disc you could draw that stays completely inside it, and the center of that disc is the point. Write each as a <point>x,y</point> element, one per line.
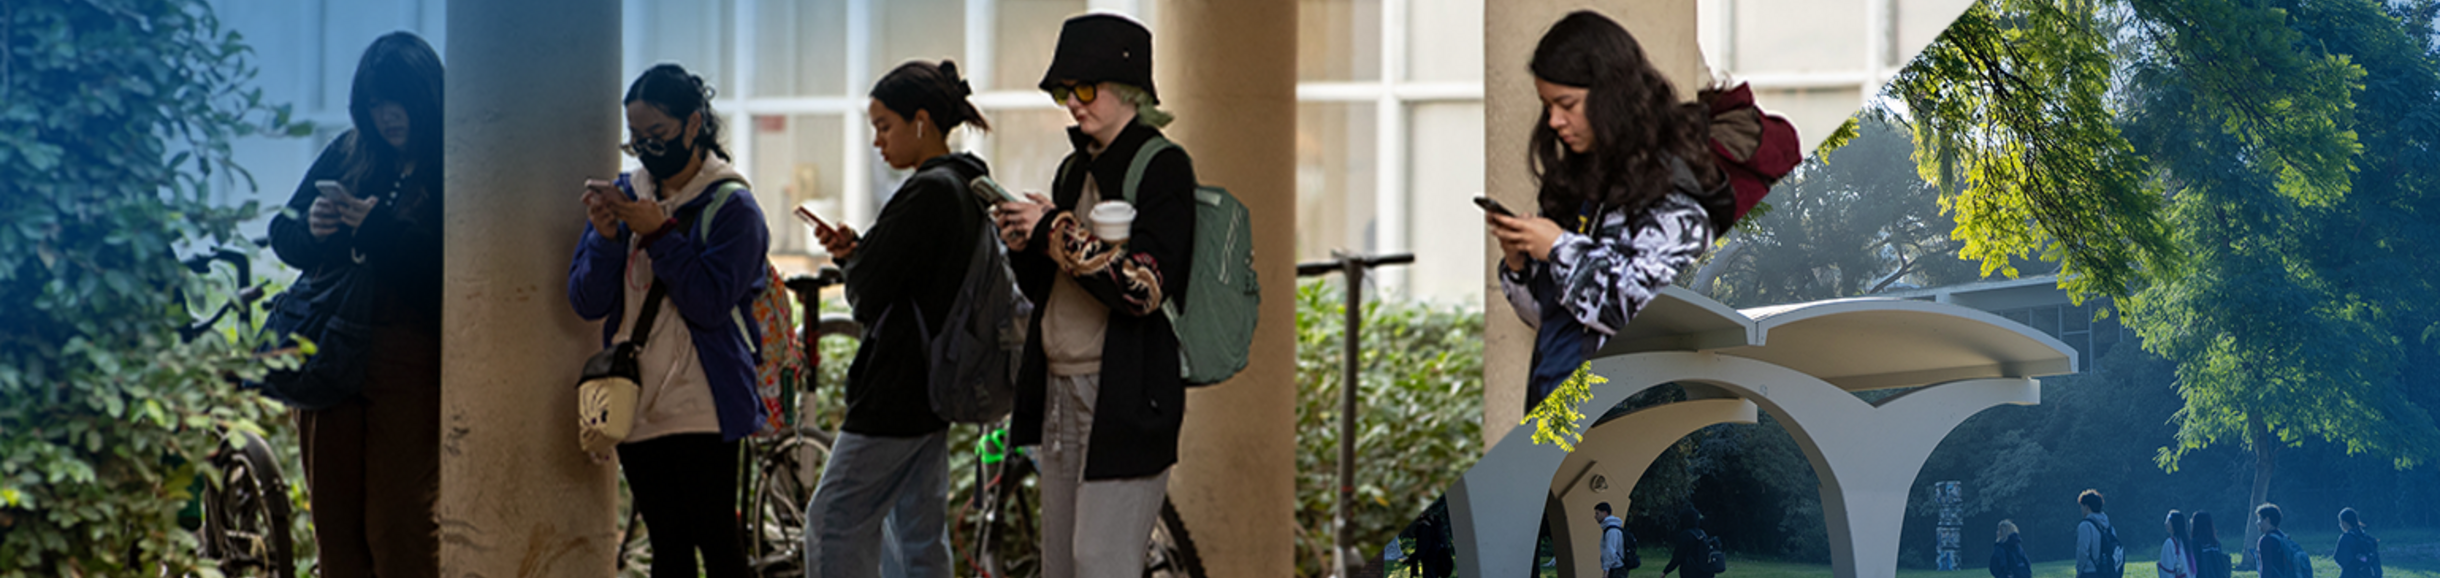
<point>1006,541</point>
<point>777,474</point>
<point>243,515</point>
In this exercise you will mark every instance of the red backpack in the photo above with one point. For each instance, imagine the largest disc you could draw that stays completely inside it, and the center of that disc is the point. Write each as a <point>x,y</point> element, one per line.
<point>1752,146</point>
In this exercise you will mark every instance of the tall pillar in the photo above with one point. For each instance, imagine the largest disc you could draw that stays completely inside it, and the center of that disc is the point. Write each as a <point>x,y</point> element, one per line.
<point>1666,31</point>
<point>533,91</point>
<point>1228,69</point>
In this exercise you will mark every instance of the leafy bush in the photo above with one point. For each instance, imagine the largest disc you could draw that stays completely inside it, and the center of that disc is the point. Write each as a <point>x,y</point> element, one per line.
<point>1421,413</point>
<point>115,128</point>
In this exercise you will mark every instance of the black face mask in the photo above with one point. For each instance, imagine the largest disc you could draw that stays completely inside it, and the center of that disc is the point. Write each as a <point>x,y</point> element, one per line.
<point>673,158</point>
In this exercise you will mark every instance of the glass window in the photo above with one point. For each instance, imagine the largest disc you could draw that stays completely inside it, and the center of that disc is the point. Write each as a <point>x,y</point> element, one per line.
<point>1334,177</point>
<point>1444,165</point>
<point>1339,40</point>
<point>1024,39</point>
<point>1788,35</point>
<point>796,161</point>
<point>1444,41</point>
<point>915,29</point>
<point>801,48</point>
<point>692,34</point>
<point>1025,147</point>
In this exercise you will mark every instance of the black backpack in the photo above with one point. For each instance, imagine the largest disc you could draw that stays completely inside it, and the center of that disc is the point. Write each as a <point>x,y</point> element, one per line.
<point>2111,561</point>
<point>1714,560</point>
<point>2210,562</point>
<point>1626,540</point>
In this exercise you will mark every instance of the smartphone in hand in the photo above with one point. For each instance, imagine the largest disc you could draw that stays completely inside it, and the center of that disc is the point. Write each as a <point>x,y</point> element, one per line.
<point>1493,206</point>
<point>990,192</point>
<point>805,212</point>
<point>333,190</point>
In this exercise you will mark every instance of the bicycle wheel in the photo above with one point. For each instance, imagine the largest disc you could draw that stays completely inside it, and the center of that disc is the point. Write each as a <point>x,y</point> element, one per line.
<point>784,478</point>
<point>246,514</point>
<point>1007,540</point>
<point>1171,553</point>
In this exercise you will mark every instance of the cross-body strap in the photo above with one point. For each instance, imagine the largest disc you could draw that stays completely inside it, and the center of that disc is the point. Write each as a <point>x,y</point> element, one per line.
<point>652,309</point>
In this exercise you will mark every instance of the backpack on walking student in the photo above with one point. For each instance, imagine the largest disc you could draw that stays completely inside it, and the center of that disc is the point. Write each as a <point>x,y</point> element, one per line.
<point>977,350</point>
<point>2300,564</point>
<point>2370,562</point>
<point>1215,321</point>
<point>2210,562</point>
<point>1630,559</point>
<point>764,325</point>
<point>1715,559</point>
<point>2110,558</point>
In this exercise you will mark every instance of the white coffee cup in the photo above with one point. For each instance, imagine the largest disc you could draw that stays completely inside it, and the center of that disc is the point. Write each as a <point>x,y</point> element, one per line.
<point>1111,220</point>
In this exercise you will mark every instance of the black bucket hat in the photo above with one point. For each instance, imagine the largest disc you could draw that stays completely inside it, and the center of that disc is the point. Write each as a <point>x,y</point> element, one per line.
<point>1103,47</point>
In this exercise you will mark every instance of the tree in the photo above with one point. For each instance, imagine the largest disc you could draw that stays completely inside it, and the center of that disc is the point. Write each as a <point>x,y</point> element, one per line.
<point>115,128</point>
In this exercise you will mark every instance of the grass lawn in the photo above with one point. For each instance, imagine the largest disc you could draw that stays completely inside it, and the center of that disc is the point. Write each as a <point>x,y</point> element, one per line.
<point>2405,553</point>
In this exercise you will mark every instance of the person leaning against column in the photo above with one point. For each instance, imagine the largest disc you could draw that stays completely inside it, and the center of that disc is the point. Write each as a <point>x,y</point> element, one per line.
<point>891,461</point>
<point>696,395</point>
<point>372,463</point>
<point>1100,392</point>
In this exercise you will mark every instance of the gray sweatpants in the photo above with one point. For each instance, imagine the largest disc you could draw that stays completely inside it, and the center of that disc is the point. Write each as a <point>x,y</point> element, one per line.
<point>1090,529</point>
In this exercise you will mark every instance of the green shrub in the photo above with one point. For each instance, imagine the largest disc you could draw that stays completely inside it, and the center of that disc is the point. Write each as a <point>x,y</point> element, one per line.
<point>115,128</point>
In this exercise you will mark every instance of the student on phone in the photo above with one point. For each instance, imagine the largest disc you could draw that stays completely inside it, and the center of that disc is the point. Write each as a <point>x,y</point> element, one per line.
<point>888,475</point>
<point>1626,185</point>
<point>372,464</point>
<point>696,398</point>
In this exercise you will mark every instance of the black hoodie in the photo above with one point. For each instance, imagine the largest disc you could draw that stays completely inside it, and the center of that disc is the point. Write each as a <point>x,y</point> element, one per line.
<point>914,254</point>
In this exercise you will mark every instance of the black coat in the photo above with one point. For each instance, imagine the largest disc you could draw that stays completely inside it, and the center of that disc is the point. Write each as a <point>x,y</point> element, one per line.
<point>2008,559</point>
<point>400,242</point>
<point>1690,555</point>
<point>914,255</point>
<point>1142,401</point>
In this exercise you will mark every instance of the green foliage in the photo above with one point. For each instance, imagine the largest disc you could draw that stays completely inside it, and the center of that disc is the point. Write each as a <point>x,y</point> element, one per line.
<point>1421,413</point>
<point>115,127</point>
<point>2012,123</point>
<point>1554,421</point>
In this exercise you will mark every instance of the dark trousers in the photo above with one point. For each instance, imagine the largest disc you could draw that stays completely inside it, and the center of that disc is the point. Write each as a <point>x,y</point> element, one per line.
<point>685,485</point>
<point>373,465</point>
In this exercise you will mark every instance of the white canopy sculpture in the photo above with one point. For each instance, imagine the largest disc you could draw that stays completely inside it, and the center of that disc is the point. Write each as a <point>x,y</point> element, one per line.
<point>1799,362</point>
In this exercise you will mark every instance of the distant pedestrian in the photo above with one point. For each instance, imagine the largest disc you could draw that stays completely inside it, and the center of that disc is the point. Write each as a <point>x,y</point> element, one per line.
<point>2008,554</point>
<point>2098,552</point>
<point>2277,553</point>
<point>2176,553</point>
<point>2209,560</point>
<point>2359,554</point>
<point>1695,551</point>
<point>1617,545</point>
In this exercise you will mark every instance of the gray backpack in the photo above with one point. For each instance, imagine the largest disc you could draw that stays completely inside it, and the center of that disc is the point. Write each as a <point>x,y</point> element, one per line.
<point>1215,321</point>
<point>976,354</point>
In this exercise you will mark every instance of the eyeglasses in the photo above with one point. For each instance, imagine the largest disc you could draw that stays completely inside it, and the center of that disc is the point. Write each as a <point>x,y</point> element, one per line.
<point>1084,93</point>
<point>645,146</point>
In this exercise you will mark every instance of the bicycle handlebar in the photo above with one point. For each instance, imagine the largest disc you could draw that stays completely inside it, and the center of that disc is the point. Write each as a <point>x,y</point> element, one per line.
<point>1313,268</point>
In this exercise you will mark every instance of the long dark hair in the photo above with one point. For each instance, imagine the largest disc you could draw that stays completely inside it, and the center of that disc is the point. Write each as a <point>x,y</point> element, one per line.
<point>2177,528</point>
<point>2204,533</point>
<point>936,88</point>
<point>1637,123</point>
<point>399,68</point>
<point>678,93</point>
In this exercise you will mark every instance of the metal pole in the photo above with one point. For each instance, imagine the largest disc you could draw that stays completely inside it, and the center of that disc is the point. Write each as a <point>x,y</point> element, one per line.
<point>1352,266</point>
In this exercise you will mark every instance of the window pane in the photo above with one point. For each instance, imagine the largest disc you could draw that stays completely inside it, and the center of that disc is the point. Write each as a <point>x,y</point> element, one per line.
<point>1024,38</point>
<point>692,34</point>
<point>801,48</point>
<point>1025,147</point>
<point>915,29</point>
<point>796,159</point>
<point>1339,40</point>
<point>1783,36</point>
<point>1444,41</point>
<point>2046,320</point>
<point>1444,171</point>
<point>1334,178</point>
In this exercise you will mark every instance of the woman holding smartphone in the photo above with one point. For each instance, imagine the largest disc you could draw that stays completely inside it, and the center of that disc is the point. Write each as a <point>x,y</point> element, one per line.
<point>888,475</point>
<point>1628,195</point>
<point>372,464</point>
<point>642,254</point>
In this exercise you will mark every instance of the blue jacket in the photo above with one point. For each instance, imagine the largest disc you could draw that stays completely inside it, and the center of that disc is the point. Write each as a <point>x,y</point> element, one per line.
<point>708,275</point>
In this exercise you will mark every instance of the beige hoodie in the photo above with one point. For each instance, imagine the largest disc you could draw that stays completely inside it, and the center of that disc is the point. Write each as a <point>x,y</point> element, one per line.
<point>674,397</point>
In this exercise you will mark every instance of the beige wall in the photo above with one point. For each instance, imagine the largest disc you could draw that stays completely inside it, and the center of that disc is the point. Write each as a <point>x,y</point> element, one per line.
<point>1666,29</point>
<point>1228,69</point>
<point>517,497</point>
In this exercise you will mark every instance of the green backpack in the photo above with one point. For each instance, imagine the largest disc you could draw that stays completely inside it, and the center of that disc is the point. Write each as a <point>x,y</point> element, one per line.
<point>1215,324</point>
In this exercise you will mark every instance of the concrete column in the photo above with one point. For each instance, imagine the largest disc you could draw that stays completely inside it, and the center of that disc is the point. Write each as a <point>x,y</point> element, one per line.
<point>533,91</point>
<point>1666,30</point>
<point>1228,70</point>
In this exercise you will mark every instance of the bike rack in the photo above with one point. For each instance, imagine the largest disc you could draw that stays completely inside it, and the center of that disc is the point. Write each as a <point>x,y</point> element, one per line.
<point>1353,266</point>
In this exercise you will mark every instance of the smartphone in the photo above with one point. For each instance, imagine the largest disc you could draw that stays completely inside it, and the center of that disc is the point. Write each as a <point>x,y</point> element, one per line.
<point>1493,206</point>
<point>806,212</point>
<point>333,190</point>
<point>991,192</point>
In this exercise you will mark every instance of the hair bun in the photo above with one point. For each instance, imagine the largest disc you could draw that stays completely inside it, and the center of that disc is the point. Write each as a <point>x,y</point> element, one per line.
<point>948,70</point>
